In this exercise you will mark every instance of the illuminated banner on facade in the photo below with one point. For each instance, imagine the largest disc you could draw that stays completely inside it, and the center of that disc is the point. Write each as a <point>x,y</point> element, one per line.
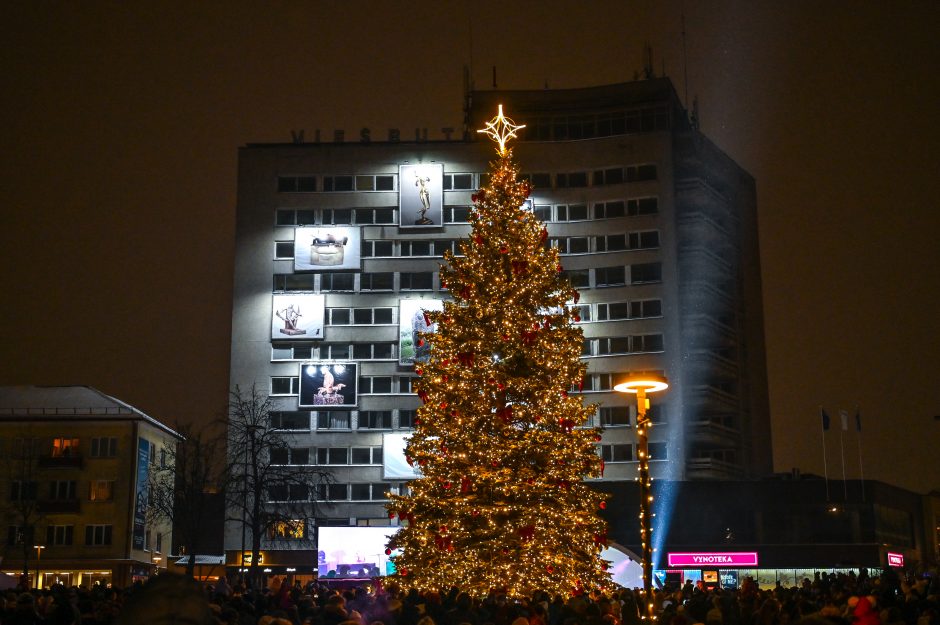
<point>700,560</point>
<point>298,317</point>
<point>326,385</point>
<point>411,322</point>
<point>895,559</point>
<point>141,493</point>
<point>327,249</point>
<point>420,196</point>
<point>394,464</point>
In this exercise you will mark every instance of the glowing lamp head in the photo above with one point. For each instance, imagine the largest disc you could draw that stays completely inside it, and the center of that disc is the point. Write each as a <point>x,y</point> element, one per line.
<point>635,382</point>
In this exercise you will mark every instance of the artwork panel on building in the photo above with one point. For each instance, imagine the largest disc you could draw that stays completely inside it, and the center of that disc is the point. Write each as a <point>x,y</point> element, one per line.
<point>411,323</point>
<point>394,463</point>
<point>327,249</point>
<point>297,316</point>
<point>326,385</point>
<point>420,196</point>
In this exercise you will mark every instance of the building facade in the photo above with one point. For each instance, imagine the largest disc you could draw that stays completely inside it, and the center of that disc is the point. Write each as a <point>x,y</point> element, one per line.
<point>73,492</point>
<point>338,246</point>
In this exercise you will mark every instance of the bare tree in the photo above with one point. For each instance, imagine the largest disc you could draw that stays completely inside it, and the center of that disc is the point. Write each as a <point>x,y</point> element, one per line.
<point>185,489</point>
<point>270,496</point>
<point>21,508</point>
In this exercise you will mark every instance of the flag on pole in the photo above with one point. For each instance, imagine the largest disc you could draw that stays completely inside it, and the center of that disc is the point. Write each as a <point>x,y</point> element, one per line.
<point>858,420</point>
<point>844,414</point>
<point>825,418</point>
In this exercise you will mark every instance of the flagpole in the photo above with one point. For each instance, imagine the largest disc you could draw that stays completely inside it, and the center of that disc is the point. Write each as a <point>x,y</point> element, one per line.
<point>825,426</point>
<point>858,431</point>
<point>844,417</point>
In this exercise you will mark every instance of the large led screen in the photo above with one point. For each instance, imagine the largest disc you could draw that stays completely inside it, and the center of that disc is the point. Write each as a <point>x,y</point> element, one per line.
<point>354,552</point>
<point>411,322</point>
<point>420,196</point>
<point>327,249</point>
<point>394,464</point>
<point>327,385</point>
<point>298,317</point>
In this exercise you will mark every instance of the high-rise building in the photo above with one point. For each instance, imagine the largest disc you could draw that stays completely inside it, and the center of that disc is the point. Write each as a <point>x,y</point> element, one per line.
<point>338,245</point>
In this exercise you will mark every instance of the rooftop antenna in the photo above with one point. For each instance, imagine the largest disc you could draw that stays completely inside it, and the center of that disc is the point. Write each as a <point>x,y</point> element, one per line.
<point>648,61</point>
<point>685,65</point>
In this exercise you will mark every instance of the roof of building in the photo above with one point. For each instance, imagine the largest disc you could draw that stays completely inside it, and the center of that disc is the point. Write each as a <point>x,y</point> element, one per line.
<point>55,402</point>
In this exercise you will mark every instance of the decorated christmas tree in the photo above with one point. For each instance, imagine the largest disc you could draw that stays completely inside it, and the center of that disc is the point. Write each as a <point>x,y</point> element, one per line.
<point>501,502</point>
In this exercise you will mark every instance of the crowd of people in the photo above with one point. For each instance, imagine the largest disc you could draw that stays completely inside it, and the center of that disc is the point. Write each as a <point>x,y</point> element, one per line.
<point>854,599</point>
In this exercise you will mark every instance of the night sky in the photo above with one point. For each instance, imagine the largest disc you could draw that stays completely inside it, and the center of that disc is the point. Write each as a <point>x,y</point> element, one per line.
<point>122,123</point>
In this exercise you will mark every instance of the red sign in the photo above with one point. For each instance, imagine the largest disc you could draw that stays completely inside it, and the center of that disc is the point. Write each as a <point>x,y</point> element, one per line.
<point>895,559</point>
<point>699,560</point>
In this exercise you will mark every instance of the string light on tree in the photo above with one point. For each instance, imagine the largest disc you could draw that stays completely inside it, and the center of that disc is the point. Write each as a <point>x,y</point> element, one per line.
<point>500,439</point>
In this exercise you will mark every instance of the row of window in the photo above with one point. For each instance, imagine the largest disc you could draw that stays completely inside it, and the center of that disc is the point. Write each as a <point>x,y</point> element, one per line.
<point>375,491</point>
<point>98,490</point>
<point>63,447</point>
<point>333,351</point>
<point>625,241</point>
<point>392,281</point>
<point>624,452</point>
<point>368,385</point>
<point>611,209</point>
<point>95,535</point>
<point>466,181</point>
<point>607,124</point>
<point>300,420</point>
<point>328,456</point>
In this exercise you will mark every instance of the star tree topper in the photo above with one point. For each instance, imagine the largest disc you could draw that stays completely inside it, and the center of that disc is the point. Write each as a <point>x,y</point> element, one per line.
<point>501,129</point>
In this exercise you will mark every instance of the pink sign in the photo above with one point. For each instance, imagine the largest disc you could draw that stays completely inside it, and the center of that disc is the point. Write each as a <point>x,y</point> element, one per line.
<point>698,560</point>
<point>895,559</point>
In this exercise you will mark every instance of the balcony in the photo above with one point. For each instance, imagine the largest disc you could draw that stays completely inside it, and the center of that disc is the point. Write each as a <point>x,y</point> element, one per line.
<point>60,506</point>
<point>71,461</point>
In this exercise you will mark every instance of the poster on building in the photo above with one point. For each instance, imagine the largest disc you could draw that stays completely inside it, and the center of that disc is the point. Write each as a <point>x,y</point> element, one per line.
<point>421,196</point>
<point>411,322</point>
<point>326,385</point>
<point>141,493</point>
<point>327,249</point>
<point>394,463</point>
<point>297,316</point>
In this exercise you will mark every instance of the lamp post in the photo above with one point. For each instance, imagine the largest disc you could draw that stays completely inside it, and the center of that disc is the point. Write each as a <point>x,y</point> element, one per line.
<point>642,384</point>
<point>38,549</point>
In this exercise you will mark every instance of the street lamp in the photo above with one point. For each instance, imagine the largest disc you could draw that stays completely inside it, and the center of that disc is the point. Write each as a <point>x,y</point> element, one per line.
<point>641,384</point>
<point>38,549</point>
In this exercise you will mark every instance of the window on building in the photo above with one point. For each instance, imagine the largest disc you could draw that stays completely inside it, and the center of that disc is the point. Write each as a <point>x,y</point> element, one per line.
<point>578,278</point>
<point>569,180</point>
<point>332,455</point>
<point>333,492</point>
<point>294,281</point>
<point>296,184</point>
<point>406,419</point>
<point>298,492</point>
<point>621,452</point>
<point>60,534</point>
<point>416,281</point>
<point>104,447</point>
<point>333,420</point>
<point>571,245</point>
<point>337,216</point>
<point>416,248</point>
<point>646,272</point>
<point>375,384</point>
<point>21,490</point>
<point>337,183</point>
<point>101,490</point>
<point>609,210</point>
<point>375,419</point>
<point>287,351</point>
<point>383,215</point>
<point>383,281</point>
<point>374,249</point>
<point>288,530</point>
<point>283,249</point>
<point>62,489</point>
<point>98,535</point>
<point>614,416</point>
<point>456,214</point>
<point>290,420</point>
<point>366,455</point>
<point>641,309</point>
<point>373,351</point>
<point>571,212</point>
<point>337,282</point>
<point>458,182</point>
<point>64,447</point>
<point>645,240</point>
<point>335,351</point>
<point>285,385</point>
<point>19,535</point>
<point>657,451</point>
<point>610,276</point>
